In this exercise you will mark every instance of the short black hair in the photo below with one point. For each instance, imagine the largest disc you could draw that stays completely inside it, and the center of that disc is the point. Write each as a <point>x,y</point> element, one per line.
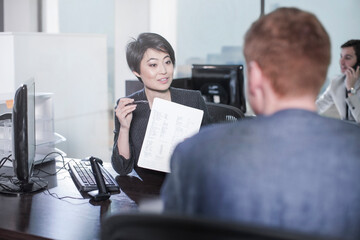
<point>355,43</point>
<point>135,49</point>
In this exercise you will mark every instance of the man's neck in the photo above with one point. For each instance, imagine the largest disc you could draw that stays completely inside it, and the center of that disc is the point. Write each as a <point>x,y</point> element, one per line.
<point>278,104</point>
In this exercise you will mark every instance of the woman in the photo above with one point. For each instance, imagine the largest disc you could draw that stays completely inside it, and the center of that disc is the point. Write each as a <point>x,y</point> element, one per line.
<point>152,59</point>
<point>342,97</point>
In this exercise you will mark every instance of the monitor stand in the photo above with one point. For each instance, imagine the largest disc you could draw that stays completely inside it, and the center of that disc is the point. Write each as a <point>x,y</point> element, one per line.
<point>13,186</point>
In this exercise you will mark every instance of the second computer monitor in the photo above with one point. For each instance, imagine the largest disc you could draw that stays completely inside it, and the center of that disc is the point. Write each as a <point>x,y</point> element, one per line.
<point>220,83</point>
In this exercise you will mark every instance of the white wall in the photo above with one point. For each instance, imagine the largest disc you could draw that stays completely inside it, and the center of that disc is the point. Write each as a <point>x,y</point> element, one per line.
<point>91,17</point>
<point>74,68</point>
<point>7,68</point>
<point>20,15</point>
<point>50,16</point>
<point>131,19</point>
<point>166,24</point>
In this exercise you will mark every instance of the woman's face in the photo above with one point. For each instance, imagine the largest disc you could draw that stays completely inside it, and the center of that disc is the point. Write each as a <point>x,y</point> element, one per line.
<point>347,58</point>
<point>156,70</point>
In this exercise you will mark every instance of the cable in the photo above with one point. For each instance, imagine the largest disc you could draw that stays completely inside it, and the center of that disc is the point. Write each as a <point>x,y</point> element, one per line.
<point>11,184</point>
<point>47,191</point>
<point>4,159</point>
<point>17,187</point>
<point>54,195</point>
<point>51,174</point>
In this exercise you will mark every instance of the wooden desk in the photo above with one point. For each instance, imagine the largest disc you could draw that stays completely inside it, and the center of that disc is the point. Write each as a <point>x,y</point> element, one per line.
<point>42,216</point>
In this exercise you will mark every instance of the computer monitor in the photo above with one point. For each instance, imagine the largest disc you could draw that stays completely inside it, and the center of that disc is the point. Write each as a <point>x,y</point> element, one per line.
<point>220,83</point>
<point>23,120</point>
<point>24,143</point>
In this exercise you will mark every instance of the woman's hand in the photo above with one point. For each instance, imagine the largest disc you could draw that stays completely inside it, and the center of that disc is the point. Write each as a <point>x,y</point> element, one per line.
<point>351,77</point>
<point>124,111</point>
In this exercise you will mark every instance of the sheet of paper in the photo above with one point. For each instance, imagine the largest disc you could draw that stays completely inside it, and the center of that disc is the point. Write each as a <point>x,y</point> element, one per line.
<point>169,124</point>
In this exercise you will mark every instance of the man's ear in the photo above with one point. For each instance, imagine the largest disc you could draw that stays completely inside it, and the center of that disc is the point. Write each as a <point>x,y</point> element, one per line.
<point>255,78</point>
<point>255,87</point>
<point>136,74</point>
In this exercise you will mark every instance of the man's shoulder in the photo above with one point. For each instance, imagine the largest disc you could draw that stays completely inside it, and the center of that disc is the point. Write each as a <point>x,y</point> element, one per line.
<point>296,122</point>
<point>337,80</point>
<point>214,133</point>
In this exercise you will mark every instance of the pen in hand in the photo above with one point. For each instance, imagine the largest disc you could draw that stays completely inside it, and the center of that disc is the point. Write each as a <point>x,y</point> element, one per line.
<point>138,102</point>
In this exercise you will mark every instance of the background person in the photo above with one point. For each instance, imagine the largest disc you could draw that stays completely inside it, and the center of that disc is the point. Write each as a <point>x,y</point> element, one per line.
<point>342,97</point>
<point>288,168</point>
<point>152,59</point>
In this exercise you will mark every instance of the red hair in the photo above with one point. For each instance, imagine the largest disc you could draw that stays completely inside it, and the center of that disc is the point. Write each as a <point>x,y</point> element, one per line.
<point>293,50</point>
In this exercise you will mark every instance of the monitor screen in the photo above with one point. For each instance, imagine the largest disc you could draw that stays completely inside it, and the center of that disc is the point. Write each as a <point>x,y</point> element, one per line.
<point>220,84</point>
<point>24,131</point>
<point>23,144</point>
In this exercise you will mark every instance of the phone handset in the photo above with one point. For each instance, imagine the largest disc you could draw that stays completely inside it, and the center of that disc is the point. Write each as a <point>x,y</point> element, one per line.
<point>101,194</point>
<point>356,65</point>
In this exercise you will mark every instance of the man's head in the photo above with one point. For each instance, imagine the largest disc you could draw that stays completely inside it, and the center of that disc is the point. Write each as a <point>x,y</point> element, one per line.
<point>292,50</point>
<point>350,55</point>
<point>355,43</point>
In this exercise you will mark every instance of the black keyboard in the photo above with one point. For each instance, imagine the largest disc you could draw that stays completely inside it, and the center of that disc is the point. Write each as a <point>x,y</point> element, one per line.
<point>83,177</point>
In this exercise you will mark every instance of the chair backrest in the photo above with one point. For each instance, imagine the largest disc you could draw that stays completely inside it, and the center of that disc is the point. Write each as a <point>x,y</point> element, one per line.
<point>223,113</point>
<point>149,226</point>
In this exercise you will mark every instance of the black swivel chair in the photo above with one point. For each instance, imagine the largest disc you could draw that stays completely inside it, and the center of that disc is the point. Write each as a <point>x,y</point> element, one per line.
<point>151,226</point>
<point>223,113</point>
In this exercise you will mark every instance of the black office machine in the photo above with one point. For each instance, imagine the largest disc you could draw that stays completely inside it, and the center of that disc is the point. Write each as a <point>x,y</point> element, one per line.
<point>85,172</point>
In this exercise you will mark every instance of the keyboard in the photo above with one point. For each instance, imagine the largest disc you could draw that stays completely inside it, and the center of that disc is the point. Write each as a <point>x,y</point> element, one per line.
<point>83,177</point>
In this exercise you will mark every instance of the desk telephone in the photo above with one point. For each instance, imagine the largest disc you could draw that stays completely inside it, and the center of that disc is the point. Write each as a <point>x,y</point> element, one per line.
<point>91,177</point>
<point>101,194</point>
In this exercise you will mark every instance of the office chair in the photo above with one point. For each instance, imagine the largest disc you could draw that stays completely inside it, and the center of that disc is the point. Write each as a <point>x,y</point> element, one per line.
<point>223,113</point>
<point>151,226</point>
